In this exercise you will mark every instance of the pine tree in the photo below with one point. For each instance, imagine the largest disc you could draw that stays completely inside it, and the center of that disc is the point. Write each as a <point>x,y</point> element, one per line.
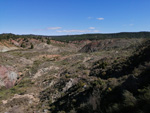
<point>48,41</point>
<point>31,46</point>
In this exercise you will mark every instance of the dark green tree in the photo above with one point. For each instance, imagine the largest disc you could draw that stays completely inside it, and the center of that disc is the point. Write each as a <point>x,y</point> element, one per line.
<point>32,46</point>
<point>48,41</point>
<point>23,45</point>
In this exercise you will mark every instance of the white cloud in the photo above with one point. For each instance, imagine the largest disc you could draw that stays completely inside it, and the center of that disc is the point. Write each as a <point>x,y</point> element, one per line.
<point>73,31</point>
<point>54,28</point>
<point>91,27</point>
<point>100,18</point>
<point>78,31</point>
<point>96,31</point>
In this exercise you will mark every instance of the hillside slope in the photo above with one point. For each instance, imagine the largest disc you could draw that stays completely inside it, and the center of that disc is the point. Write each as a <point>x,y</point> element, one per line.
<point>93,76</point>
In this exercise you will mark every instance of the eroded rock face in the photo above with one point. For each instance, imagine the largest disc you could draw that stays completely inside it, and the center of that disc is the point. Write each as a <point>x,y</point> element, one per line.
<point>15,43</point>
<point>44,71</point>
<point>110,44</point>
<point>7,46</point>
<point>4,48</point>
<point>8,76</point>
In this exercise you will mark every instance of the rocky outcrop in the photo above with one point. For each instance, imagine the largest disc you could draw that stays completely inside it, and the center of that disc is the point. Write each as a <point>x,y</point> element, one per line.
<point>8,76</point>
<point>98,45</point>
<point>43,71</point>
<point>6,46</point>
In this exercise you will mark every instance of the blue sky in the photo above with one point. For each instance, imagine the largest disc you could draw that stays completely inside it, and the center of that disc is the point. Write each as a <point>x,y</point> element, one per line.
<point>61,17</point>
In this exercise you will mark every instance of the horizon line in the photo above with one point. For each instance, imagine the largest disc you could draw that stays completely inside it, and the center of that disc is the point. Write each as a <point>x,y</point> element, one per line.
<point>77,34</point>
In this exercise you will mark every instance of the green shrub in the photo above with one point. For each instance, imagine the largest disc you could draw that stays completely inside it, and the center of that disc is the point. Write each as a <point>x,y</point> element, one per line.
<point>53,107</point>
<point>67,75</point>
<point>81,84</point>
<point>48,41</point>
<point>61,112</point>
<point>23,45</point>
<point>31,46</point>
<point>103,73</point>
<point>74,101</point>
<point>97,82</point>
<point>103,65</point>
<point>129,99</point>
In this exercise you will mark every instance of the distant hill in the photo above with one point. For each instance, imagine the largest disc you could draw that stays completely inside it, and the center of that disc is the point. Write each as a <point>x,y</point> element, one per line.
<point>67,38</point>
<point>102,36</point>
